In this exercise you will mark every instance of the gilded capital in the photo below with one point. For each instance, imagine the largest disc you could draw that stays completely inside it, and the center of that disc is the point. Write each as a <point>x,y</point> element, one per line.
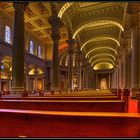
<point>55,22</point>
<point>70,42</point>
<point>22,5</point>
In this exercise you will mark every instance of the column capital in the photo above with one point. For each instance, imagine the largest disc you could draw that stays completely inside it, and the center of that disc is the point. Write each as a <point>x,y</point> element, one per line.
<point>22,5</point>
<point>70,42</point>
<point>55,22</point>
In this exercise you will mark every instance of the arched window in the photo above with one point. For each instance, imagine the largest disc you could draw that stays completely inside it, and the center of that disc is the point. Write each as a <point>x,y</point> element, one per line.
<point>39,51</point>
<point>2,67</point>
<point>7,34</point>
<point>31,50</point>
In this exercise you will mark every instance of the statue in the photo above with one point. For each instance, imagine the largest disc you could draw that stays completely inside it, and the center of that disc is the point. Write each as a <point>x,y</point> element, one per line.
<point>103,84</point>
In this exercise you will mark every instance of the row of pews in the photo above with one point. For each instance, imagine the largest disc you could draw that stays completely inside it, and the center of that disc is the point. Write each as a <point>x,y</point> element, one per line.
<point>89,113</point>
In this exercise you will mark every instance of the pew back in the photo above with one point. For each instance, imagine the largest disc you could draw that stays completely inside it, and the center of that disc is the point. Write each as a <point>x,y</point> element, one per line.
<point>57,124</point>
<point>66,105</point>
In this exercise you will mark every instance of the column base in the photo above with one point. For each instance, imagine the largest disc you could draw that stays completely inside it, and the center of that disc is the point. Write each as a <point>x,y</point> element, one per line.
<point>134,92</point>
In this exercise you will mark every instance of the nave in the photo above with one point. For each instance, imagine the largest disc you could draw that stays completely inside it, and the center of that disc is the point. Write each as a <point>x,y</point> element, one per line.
<point>69,69</point>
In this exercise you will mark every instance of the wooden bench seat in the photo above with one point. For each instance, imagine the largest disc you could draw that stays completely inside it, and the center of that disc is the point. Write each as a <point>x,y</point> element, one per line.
<point>64,98</point>
<point>66,105</point>
<point>56,124</point>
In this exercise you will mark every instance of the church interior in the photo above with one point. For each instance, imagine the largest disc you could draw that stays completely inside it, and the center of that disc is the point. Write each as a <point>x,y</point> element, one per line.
<point>69,69</point>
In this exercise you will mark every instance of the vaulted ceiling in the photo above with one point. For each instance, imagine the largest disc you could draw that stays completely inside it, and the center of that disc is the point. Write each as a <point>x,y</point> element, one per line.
<point>97,26</point>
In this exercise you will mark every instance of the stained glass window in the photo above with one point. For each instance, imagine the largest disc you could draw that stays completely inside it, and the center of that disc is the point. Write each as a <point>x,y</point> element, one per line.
<point>39,51</point>
<point>7,34</point>
<point>31,50</point>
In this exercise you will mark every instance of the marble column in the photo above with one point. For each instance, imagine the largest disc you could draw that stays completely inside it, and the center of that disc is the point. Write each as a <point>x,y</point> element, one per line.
<point>9,83</point>
<point>109,81</point>
<point>43,83</point>
<point>27,81</point>
<point>70,43</point>
<point>87,77</point>
<point>129,70</point>
<point>90,80</point>
<point>119,73</point>
<point>125,77</point>
<point>93,80</point>
<point>18,48</point>
<point>78,68</point>
<point>117,78</point>
<point>55,23</point>
<point>48,79</point>
<point>36,79</point>
<point>96,81</point>
<point>84,76</point>
<point>135,55</point>
<point>0,76</point>
<point>45,79</point>
<point>27,78</point>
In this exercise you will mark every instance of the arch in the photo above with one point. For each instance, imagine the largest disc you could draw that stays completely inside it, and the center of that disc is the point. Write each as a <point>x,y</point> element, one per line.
<point>96,67</point>
<point>97,23</point>
<point>100,48</point>
<point>102,59</point>
<point>64,8</point>
<point>99,39</point>
<point>90,60</point>
<point>102,54</point>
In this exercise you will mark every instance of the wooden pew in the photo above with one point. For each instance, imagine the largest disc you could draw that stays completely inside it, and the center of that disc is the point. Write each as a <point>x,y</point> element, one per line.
<point>58,124</point>
<point>66,105</point>
<point>83,93</point>
<point>63,98</point>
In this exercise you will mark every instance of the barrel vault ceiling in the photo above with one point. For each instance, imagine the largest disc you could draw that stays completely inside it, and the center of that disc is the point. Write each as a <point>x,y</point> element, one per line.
<point>97,26</point>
